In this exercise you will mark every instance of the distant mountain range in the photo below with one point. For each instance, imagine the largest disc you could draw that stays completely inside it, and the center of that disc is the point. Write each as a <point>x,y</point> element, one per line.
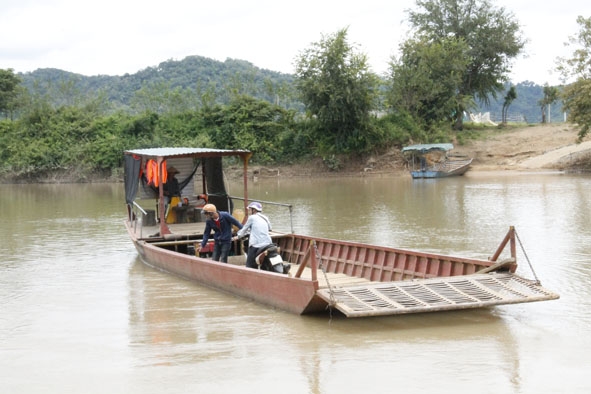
<point>200,76</point>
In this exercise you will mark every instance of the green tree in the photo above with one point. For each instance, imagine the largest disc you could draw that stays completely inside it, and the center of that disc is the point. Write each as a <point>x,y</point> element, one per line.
<point>425,78</point>
<point>550,97</point>
<point>248,123</point>
<point>160,98</point>
<point>509,98</point>
<point>492,35</point>
<point>577,95</point>
<point>9,83</point>
<point>339,91</point>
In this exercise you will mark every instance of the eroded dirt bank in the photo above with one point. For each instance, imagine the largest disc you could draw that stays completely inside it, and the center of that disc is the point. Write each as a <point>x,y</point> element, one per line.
<point>528,148</point>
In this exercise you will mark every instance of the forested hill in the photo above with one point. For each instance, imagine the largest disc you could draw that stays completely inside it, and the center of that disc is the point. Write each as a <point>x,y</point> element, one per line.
<point>196,81</point>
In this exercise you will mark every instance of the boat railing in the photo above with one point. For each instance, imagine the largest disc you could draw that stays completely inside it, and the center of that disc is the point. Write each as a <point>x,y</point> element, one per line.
<point>382,264</point>
<point>289,206</point>
<point>134,219</point>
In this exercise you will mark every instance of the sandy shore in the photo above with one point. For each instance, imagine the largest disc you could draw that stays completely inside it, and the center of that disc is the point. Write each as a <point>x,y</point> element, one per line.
<point>538,148</point>
<point>533,148</point>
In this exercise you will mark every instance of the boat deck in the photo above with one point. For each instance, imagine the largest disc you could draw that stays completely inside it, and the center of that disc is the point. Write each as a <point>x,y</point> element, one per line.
<point>195,230</point>
<point>358,297</point>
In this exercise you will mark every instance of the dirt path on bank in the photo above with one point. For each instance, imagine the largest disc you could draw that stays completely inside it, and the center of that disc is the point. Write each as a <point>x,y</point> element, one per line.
<point>528,148</point>
<point>534,147</point>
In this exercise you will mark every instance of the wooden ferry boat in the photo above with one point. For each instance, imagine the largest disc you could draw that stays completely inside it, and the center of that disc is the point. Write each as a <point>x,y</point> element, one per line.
<point>432,161</point>
<point>354,278</point>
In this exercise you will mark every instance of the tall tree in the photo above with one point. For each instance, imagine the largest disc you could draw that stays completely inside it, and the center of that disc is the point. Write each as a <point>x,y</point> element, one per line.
<point>577,95</point>
<point>339,90</point>
<point>424,79</point>
<point>509,98</point>
<point>9,83</point>
<point>249,123</point>
<point>550,97</point>
<point>493,37</point>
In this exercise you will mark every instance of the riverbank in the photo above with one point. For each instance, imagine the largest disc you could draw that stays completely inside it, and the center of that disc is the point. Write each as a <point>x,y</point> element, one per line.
<point>529,148</point>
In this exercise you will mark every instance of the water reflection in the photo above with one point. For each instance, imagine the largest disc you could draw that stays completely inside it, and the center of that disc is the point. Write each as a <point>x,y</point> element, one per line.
<point>176,322</point>
<point>75,297</point>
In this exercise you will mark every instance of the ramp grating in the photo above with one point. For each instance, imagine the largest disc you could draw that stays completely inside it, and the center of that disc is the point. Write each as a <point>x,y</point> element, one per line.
<point>436,294</point>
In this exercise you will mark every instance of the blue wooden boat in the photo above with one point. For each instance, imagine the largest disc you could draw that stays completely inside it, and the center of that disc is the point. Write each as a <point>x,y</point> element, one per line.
<point>433,161</point>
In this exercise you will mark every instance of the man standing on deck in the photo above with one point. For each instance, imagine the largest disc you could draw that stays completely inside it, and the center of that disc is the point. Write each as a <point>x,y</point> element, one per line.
<point>259,227</point>
<point>221,224</point>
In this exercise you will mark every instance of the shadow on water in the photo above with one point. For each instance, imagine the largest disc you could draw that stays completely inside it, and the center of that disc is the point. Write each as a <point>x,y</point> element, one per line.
<point>175,321</point>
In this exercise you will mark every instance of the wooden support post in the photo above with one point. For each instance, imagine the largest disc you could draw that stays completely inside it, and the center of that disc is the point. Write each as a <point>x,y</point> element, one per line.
<point>303,263</point>
<point>314,266</point>
<point>509,237</point>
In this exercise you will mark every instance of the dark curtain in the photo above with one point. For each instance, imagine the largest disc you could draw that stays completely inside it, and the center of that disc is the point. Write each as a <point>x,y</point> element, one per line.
<point>216,189</point>
<point>131,177</point>
<point>186,181</point>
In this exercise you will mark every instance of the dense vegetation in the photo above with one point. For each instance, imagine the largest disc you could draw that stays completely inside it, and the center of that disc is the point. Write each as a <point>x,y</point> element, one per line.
<point>137,92</point>
<point>59,122</point>
<point>577,95</point>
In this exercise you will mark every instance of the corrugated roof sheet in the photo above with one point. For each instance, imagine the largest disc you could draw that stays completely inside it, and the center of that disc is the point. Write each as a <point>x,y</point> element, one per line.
<point>186,152</point>
<point>423,148</point>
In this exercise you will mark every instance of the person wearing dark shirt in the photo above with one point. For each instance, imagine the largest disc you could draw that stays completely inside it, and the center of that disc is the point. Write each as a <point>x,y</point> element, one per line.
<point>220,223</point>
<point>171,189</point>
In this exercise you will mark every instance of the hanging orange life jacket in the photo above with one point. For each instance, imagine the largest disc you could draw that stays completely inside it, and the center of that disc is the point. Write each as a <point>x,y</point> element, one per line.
<point>152,172</point>
<point>164,176</point>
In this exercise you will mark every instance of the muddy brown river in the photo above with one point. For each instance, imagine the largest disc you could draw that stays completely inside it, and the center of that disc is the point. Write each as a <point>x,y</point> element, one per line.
<point>80,313</point>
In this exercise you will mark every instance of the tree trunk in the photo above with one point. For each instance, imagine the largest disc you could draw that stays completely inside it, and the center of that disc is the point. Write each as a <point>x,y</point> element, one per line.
<point>459,123</point>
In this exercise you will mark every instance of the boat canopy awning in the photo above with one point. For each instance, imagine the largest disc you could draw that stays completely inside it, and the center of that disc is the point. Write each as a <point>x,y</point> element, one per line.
<point>435,294</point>
<point>187,152</point>
<point>425,148</point>
<point>136,160</point>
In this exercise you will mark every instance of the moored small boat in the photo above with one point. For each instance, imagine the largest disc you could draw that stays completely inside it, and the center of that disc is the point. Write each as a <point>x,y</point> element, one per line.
<point>433,161</point>
<point>355,278</point>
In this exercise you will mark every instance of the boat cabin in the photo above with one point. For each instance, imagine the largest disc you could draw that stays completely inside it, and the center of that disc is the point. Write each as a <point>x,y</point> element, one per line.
<point>200,178</point>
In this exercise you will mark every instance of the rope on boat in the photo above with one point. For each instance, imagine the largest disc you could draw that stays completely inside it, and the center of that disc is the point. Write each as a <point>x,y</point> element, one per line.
<point>333,301</point>
<point>527,259</point>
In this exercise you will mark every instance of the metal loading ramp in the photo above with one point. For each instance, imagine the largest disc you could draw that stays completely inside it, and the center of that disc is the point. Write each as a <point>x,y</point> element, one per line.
<point>436,294</point>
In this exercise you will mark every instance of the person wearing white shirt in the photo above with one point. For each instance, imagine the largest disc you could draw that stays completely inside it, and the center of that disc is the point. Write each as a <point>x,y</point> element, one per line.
<point>259,226</point>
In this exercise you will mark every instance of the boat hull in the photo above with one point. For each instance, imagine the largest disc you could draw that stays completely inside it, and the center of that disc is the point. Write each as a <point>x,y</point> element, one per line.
<point>291,294</point>
<point>449,169</point>
<point>356,279</point>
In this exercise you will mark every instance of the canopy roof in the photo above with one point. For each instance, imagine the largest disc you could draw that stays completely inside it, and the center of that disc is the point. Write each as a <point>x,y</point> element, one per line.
<point>424,148</point>
<point>187,152</point>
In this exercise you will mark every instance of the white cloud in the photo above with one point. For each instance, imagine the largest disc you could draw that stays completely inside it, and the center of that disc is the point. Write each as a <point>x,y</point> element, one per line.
<point>116,37</point>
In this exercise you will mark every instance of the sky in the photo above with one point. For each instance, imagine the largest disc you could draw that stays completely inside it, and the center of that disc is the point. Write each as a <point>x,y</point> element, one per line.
<point>115,37</point>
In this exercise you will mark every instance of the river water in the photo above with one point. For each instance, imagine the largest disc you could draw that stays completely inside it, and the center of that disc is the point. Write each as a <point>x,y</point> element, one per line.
<point>80,313</point>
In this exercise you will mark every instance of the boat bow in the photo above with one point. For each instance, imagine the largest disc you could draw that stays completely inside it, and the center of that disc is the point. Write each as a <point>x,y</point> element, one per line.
<point>431,295</point>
